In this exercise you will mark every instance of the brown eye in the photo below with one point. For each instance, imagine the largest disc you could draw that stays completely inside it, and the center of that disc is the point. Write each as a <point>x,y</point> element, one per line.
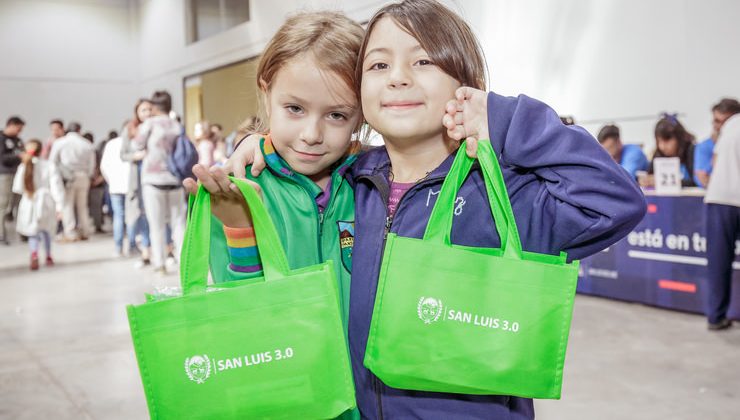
<point>378,66</point>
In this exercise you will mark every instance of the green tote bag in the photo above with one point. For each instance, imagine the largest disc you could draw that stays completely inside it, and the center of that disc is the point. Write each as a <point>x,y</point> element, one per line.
<point>468,320</point>
<point>270,347</point>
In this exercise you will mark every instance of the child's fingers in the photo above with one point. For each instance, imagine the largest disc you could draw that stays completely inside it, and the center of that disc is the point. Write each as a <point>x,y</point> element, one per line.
<point>448,122</point>
<point>464,92</point>
<point>235,165</point>
<point>459,118</point>
<point>471,147</point>
<point>191,186</point>
<point>206,179</point>
<point>219,176</point>
<point>259,163</point>
<point>457,133</point>
<point>453,106</point>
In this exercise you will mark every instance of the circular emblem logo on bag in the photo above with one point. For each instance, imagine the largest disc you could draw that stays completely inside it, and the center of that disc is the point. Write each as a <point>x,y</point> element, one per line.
<point>198,368</point>
<point>429,309</point>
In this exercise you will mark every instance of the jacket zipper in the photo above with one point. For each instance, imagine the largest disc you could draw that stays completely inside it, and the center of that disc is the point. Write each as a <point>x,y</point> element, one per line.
<point>321,232</point>
<point>388,223</point>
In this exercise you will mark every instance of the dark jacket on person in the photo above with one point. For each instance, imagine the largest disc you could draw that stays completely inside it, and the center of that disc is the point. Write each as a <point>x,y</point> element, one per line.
<point>567,195</point>
<point>10,150</point>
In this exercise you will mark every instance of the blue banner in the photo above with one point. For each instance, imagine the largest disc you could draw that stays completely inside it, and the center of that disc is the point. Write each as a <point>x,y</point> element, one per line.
<point>662,262</point>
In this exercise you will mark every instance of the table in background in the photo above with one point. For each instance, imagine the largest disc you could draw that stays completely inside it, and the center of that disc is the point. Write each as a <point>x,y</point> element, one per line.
<point>663,261</point>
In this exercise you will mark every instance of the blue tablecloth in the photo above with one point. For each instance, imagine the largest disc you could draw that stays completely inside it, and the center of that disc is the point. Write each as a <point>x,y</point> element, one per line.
<point>662,262</point>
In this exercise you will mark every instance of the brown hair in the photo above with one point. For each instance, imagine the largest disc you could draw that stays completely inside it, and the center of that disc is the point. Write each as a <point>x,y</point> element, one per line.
<point>28,185</point>
<point>162,100</point>
<point>669,127</point>
<point>608,132</point>
<point>332,38</point>
<point>727,106</point>
<point>133,123</point>
<point>444,35</point>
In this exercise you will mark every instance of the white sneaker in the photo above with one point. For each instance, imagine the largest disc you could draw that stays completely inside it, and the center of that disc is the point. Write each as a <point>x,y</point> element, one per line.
<point>170,262</point>
<point>142,263</point>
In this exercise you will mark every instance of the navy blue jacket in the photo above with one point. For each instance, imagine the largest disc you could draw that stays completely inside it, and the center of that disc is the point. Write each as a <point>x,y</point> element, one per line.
<point>567,195</point>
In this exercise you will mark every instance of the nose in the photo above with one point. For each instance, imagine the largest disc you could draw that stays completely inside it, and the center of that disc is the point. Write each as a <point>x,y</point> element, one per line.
<point>399,77</point>
<point>312,132</point>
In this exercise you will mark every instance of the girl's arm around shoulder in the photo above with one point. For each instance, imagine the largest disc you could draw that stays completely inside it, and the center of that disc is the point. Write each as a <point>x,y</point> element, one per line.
<point>592,202</point>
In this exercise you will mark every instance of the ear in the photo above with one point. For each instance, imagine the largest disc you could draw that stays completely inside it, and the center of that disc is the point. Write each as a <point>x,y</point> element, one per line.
<point>265,96</point>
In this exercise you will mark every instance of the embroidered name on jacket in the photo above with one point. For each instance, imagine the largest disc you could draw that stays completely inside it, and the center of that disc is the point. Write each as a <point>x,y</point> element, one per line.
<point>459,201</point>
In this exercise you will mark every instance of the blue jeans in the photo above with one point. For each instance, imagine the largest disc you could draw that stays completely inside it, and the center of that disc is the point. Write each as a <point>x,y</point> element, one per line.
<point>33,242</point>
<point>118,205</point>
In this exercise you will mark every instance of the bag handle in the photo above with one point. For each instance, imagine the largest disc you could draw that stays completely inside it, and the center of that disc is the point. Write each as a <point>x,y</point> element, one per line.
<point>194,257</point>
<point>440,222</point>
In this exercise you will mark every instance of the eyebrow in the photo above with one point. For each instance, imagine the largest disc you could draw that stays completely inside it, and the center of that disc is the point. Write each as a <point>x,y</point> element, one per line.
<point>388,51</point>
<point>292,98</point>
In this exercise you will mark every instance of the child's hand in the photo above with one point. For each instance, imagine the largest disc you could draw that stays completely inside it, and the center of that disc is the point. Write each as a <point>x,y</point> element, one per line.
<point>227,202</point>
<point>248,152</point>
<point>466,117</point>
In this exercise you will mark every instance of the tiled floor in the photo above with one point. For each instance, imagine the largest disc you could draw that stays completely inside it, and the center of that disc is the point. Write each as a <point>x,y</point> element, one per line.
<point>65,350</point>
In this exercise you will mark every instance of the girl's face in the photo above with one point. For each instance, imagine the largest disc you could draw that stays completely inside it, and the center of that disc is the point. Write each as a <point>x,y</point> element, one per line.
<point>32,148</point>
<point>144,111</point>
<point>312,116</point>
<point>403,92</point>
<point>668,146</point>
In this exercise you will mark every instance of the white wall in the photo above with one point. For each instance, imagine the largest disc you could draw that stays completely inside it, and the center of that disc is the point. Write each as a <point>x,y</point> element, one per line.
<point>611,59</point>
<point>167,59</point>
<point>595,59</point>
<point>71,59</point>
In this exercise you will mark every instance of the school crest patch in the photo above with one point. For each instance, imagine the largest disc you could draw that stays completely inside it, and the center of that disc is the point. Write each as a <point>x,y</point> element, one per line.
<point>346,242</point>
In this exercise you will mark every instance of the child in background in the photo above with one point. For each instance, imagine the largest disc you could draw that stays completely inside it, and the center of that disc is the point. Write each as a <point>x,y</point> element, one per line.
<point>307,152</point>
<point>40,190</point>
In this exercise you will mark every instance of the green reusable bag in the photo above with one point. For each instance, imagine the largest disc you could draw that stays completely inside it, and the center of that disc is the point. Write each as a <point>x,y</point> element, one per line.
<point>270,347</point>
<point>468,320</point>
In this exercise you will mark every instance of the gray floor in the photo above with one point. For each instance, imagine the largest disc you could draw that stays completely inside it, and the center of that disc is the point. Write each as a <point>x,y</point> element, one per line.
<point>65,350</point>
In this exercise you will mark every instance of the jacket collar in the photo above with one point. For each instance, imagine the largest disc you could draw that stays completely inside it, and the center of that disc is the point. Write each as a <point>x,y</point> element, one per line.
<point>377,162</point>
<point>281,168</point>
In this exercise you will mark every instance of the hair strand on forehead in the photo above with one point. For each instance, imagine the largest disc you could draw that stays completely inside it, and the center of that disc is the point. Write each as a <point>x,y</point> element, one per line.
<point>444,35</point>
<point>330,39</point>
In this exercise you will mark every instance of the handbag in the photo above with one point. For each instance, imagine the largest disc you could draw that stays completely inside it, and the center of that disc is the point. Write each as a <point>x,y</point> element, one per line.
<point>270,347</point>
<point>470,320</point>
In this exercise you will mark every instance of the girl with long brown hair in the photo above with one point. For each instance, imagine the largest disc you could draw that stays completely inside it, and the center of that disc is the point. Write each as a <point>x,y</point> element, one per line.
<point>37,208</point>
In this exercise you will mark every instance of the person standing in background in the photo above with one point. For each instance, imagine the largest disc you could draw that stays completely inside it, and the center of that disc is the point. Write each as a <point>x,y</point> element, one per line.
<point>704,151</point>
<point>97,187</point>
<point>57,131</point>
<point>723,222</point>
<point>629,156</point>
<point>73,157</point>
<point>219,151</point>
<point>37,210</point>
<point>11,154</point>
<point>162,193</point>
<point>134,208</point>
<point>117,174</point>
<point>204,143</point>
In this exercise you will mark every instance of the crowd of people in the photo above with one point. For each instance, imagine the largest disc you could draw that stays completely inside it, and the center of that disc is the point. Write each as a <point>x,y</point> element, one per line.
<point>415,59</point>
<point>672,139</point>
<point>64,188</point>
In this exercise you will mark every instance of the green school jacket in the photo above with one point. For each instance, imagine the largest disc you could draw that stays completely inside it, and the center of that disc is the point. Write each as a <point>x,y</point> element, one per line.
<point>308,236</point>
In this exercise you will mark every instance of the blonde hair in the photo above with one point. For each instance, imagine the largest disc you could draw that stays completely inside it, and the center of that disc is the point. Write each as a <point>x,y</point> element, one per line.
<point>333,39</point>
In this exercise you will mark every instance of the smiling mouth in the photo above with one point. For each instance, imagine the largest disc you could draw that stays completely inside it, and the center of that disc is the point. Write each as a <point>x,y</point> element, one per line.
<point>401,105</point>
<point>309,155</point>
